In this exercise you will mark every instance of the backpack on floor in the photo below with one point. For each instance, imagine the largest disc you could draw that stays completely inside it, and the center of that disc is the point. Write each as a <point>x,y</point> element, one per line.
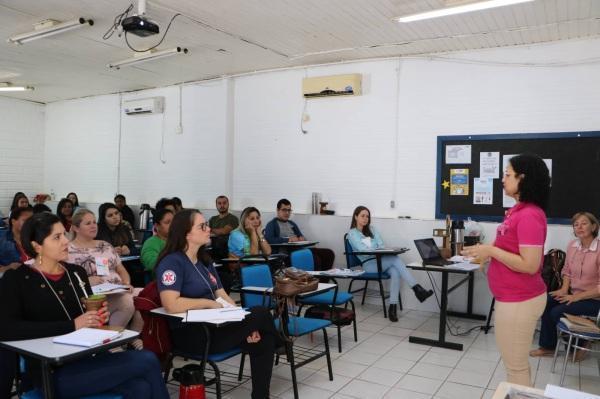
<point>155,334</point>
<point>554,261</point>
<point>341,316</point>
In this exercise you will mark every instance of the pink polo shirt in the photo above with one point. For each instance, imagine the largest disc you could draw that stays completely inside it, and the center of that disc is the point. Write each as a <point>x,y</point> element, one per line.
<point>582,266</point>
<point>524,226</point>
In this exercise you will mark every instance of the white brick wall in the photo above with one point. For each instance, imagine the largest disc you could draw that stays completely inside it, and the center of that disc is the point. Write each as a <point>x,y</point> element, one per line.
<point>21,149</point>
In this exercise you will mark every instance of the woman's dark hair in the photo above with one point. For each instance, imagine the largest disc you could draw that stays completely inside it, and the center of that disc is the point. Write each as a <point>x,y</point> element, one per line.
<point>245,213</point>
<point>76,203</point>
<point>59,208</point>
<point>164,202</point>
<point>177,202</point>
<point>366,230</point>
<point>121,235</point>
<point>176,240</point>
<point>159,214</point>
<point>16,198</point>
<point>38,208</point>
<point>37,228</point>
<point>534,183</point>
<point>16,214</point>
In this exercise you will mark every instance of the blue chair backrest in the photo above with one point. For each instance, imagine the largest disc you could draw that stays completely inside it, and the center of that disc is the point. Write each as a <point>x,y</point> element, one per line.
<point>302,259</point>
<point>256,276</point>
<point>351,260</point>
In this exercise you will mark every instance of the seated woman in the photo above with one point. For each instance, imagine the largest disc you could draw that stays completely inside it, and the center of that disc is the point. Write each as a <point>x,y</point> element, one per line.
<point>363,237</point>
<point>102,264</point>
<point>112,229</point>
<point>187,280</point>
<point>578,294</point>
<point>64,211</point>
<point>20,200</point>
<point>43,300</point>
<point>74,200</point>
<point>12,254</point>
<point>154,245</point>
<point>248,238</point>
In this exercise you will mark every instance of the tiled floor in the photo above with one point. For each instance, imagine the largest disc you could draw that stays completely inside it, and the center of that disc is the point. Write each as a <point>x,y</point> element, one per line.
<point>383,364</point>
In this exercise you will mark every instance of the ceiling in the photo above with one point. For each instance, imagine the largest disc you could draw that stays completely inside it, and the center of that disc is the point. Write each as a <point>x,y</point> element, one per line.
<point>228,37</point>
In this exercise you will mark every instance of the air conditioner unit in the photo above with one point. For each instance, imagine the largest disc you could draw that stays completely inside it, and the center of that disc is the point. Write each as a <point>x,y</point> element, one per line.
<point>151,105</point>
<point>337,85</point>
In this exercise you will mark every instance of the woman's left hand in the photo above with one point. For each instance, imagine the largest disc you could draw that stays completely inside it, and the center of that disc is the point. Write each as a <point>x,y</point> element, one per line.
<point>480,252</point>
<point>566,299</point>
<point>124,250</point>
<point>253,338</point>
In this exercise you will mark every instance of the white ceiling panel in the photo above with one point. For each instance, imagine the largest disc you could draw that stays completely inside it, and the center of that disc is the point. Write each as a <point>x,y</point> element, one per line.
<point>227,37</point>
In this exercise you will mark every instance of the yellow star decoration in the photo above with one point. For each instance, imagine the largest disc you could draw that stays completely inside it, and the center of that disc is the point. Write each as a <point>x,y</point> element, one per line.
<point>446,184</point>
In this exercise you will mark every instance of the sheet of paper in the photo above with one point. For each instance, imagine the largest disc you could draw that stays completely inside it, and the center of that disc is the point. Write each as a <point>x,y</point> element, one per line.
<point>216,316</point>
<point>87,337</point>
<point>105,288</point>
<point>489,165</point>
<point>458,154</point>
<point>483,191</point>
<point>464,266</point>
<point>459,181</point>
<point>556,392</point>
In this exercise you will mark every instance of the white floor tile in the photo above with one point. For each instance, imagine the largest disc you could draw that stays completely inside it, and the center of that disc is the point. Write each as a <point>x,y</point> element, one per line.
<point>469,378</point>
<point>360,357</point>
<point>451,390</point>
<point>419,384</point>
<point>364,390</point>
<point>306,391</point>
<point>395,364</point>
<point>430,371</point>
<point>321,380</point>
<point>441,359</point>
<point>381,376</point>
<point>348,369</point>
<point>396,393</point>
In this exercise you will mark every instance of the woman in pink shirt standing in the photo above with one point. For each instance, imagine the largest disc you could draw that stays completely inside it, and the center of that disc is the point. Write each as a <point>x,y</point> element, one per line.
<point>579,294</point>
<point>517,254</point>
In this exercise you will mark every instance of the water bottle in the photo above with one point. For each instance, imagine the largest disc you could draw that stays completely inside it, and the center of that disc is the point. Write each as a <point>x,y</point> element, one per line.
<point>145,216</point>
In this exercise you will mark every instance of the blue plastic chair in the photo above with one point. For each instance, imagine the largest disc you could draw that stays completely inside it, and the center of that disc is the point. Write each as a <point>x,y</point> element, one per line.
<point>303,259</point>
<point>260,276</point>
<point>353,261</point>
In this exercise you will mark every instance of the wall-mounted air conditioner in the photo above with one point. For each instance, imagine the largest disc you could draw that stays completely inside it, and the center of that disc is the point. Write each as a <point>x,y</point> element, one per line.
<point>337,85</point>
<point>151,105</point>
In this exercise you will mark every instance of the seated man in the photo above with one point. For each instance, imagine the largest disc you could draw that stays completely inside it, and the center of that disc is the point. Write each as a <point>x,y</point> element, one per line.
<point>125,210</point>
<point>220,227</point>
<point>281,229</point>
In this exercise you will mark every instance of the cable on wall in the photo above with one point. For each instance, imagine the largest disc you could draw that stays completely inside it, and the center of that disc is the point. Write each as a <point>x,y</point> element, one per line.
<point>119,144</point>
<point>163,160</point>
<point>304,131</point>
<point>396,136</point>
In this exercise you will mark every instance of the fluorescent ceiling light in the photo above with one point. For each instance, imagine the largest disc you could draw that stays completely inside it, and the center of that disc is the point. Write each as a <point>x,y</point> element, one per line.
<point>442,12</point>
<point>50,29</point>
<point>147,56</point>
<point>4,87</point>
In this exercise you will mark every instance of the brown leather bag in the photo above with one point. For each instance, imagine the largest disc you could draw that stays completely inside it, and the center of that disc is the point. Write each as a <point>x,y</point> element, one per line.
<point>294,282</point>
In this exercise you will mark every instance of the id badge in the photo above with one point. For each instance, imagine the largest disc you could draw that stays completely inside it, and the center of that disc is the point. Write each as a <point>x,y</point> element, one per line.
<point>102,266</point>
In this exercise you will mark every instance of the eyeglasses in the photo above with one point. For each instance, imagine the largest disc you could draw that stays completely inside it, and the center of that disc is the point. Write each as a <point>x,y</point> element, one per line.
<point>287,210</point>
<point>204,226</point>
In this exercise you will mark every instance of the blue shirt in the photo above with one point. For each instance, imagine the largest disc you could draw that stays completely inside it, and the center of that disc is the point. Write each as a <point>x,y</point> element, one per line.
<point>239,243</point>
<point>360,242</point>
<point>176,272</point>
<point>8,249</point>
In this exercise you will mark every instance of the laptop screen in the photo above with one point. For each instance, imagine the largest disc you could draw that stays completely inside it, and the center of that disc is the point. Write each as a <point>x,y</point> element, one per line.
<point>428,249</point>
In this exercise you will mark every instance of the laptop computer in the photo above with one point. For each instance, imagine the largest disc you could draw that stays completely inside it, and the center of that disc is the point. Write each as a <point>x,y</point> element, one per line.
<point>430,253</point>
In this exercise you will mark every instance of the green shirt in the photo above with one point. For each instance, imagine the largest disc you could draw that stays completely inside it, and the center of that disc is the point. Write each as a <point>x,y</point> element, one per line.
<point>217,222</point>
<point>150,251</point>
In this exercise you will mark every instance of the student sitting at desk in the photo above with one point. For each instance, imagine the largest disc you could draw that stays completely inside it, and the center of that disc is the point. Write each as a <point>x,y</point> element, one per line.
<point>363,237</point>
<point>248,238</point>
<point>515,271</point>
<point>112,229</point>
<point>126,212</point>
<point>75,200</point>
<point>12,253</point>
<point>20,200</point>
<point>281,230</point>
<point>43,300</point>
<point>578,294</point>
<point>187,280</point>
<point>64,211</point>
<point>154,245</point>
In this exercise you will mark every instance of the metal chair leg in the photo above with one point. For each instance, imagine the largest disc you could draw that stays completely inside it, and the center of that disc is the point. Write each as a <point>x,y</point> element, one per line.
<point>565,361</point>
<point>327,355</point>
<point>365,292</point>
<point>382,293</point>
<point>558,342</point>
<point>241,371</point>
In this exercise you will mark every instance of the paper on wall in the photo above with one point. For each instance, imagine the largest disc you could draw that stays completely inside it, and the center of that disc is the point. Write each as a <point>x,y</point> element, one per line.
<point>489,164</point>
<point>483,191</point>
<point>456,154</point>
<point>459,181</point>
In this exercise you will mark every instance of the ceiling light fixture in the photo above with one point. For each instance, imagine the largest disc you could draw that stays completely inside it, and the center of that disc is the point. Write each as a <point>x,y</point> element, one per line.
<point>147,56</point>
<point>4,87</point>
<point>49,28</point>
<point>478,6</point>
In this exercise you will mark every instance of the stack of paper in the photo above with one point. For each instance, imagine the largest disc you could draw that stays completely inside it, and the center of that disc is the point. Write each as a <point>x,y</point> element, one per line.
<point>87,337</point>
<point>216,316</point>
<point>337,272</point>
<point>109,288</point>
<point>464,266</point>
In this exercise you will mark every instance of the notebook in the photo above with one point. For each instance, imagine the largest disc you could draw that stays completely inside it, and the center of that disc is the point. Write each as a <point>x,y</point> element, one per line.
<point>430,253</point>
<point>87,337</point>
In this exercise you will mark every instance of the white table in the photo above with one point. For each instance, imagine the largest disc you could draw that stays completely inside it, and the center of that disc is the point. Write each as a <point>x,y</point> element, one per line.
<point>51,354</point>
<point>323,287</point>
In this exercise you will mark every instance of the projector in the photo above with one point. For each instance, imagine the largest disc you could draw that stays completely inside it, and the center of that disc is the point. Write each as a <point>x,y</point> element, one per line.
<point>139,26</point>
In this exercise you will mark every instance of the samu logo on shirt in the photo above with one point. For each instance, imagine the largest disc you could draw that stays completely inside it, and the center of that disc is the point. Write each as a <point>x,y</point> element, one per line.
<point>168,277</point>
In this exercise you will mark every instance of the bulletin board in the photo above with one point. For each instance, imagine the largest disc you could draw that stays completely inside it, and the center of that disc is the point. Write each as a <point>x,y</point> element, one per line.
<point>462,190</point>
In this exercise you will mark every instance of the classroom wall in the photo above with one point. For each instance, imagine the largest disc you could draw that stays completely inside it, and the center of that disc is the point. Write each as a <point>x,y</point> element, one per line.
<point>21,149</point>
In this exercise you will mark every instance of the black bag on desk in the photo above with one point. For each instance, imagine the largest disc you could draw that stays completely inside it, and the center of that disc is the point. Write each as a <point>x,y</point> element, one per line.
<point>341,316</point>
